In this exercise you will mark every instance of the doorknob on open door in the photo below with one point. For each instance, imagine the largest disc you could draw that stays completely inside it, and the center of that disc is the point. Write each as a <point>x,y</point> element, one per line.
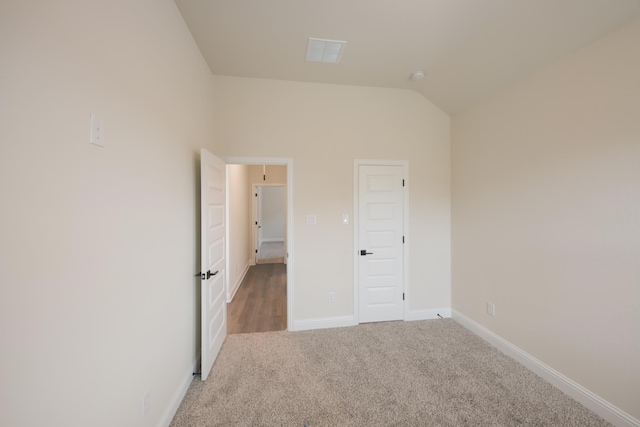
<point>207,275</point>
<point>364,252</point>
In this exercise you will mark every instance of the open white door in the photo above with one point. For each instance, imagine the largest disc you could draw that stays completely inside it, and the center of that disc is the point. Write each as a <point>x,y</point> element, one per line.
<point>212,228</point>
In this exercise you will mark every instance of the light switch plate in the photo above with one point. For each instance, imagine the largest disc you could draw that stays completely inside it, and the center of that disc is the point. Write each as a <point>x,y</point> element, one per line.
<point>491,309</point>
<point>311,220</point>
<point>97,131</point>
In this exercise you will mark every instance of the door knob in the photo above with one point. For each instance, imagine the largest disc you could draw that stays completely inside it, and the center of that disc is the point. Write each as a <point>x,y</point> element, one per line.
<point>364,252</point>
<point>207,275</point>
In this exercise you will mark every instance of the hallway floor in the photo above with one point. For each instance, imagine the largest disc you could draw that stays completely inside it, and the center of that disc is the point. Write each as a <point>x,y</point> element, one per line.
<point>260,304</point>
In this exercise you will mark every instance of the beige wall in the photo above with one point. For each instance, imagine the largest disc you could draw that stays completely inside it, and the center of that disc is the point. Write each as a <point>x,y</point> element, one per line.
<point>323,128</point>
<point>546,216</point>
<point>239,224</point>
<point>98,245</point>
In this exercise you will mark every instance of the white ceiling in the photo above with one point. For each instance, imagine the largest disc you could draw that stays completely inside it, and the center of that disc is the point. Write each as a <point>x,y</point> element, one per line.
<point>468,48</point>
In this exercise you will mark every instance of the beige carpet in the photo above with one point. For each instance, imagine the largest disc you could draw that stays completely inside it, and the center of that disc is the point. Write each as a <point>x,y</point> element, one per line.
<point>423,373</point>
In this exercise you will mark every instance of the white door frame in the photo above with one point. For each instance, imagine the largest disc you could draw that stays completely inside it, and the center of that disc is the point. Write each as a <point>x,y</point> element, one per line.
<point>290,253</point>
<point>356,220</point>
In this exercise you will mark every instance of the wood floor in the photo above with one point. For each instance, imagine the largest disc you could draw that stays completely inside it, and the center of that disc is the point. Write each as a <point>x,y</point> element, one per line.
<point>260,304</point>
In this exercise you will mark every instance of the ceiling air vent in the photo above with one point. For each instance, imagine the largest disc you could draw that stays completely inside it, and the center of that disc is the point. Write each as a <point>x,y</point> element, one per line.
<point>319,50</point>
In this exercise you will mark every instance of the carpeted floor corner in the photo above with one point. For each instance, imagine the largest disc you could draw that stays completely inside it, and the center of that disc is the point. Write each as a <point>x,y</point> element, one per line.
<point>423,373</point>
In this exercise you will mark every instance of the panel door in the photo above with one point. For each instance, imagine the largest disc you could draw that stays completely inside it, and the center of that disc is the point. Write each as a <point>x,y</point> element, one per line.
<point>213,235</point>
<point>380,234</point>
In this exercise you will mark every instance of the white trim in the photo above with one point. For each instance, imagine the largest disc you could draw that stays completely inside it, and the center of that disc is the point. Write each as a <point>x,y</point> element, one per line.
<point>356,244</point>
<point>231,291</point>
<point>324,323</point>
<point>178,396</point>
<point>405,233</point>
<point>587,398</point>
<point>272,239</point>
<point>240,160</point>
<point>290,255</point>
<point>227,234</point>
<point>428,314</point>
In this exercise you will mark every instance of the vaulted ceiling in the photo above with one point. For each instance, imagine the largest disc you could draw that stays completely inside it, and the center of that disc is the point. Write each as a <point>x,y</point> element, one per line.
<point>467,48</point>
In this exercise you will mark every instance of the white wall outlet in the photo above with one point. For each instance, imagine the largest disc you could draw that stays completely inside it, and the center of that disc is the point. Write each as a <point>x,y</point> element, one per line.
<point>146,404</point>
<point>310,220</point>
<point>491,309</point>
<point>332,296</point>
<point>97,131</point>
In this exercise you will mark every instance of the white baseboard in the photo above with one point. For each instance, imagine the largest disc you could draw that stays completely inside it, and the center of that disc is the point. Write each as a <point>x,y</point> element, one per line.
<point>324,323</point>
<point>595,403</point>
<point>272,239</point>
<point>231,292</point>
<point>176,400</point>
<point>343,321</point>
<point>428,314</point>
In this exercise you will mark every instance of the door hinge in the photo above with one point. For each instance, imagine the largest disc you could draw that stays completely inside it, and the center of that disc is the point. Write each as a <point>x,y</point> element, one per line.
<point>403,182</point>
<point>402,239</point>
<point>403,296</point>
<point>256,251</point>
<point>256,222</point>
<point>256,194</point>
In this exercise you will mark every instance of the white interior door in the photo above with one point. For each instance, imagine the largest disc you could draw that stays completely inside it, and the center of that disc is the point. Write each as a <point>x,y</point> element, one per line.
<point>213,226</point>
<point>380,235</point>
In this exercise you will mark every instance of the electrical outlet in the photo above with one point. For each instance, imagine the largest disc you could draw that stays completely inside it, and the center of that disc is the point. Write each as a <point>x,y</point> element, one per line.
<point>146,404</point>
<point>491,309</point>
<point>332,296</point>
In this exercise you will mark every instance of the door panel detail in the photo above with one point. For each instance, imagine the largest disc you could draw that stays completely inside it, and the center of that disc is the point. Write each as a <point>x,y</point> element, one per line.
<point>213,232</point>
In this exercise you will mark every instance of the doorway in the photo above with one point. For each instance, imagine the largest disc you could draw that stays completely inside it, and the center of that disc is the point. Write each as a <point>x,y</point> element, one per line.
<point>260,304</point>
<point>260,293</point>
<point>269,223</point>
